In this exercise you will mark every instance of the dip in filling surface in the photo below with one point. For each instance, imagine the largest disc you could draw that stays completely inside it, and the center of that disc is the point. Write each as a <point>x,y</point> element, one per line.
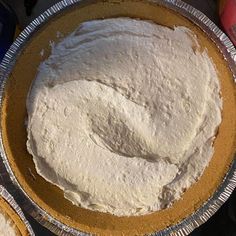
<point>123,114</point>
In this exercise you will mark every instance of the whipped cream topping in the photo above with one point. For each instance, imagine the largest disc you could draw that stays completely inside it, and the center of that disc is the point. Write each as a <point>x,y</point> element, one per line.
<point>7,227</point>
<point>123,114</point>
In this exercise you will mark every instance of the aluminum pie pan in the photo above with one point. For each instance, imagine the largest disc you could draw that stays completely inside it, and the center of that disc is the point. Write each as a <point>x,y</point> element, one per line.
<point>10,200</point>
<point>204,212</point>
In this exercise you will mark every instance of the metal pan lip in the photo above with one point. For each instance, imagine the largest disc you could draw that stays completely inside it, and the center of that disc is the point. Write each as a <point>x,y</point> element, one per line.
<point>11,201</point>
<point>228,184</point>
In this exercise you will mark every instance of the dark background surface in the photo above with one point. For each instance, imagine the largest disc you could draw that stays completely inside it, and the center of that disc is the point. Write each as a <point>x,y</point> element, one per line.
<point>223,223</point>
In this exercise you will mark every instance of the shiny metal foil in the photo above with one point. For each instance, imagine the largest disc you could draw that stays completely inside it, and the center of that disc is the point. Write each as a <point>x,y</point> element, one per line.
<point>228,184</point>
<point>10,200</point>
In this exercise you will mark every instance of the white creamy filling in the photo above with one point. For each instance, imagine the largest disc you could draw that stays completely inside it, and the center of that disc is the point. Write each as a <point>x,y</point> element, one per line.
<point>123,114</point>
<point>7,227</point>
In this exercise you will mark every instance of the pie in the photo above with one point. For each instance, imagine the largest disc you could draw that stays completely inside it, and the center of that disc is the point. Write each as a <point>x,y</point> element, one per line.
<point>11,223</point>
<point>51,198</point>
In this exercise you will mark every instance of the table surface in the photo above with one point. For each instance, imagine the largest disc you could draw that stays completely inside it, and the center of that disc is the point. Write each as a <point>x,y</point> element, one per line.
<point>223,223</point>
